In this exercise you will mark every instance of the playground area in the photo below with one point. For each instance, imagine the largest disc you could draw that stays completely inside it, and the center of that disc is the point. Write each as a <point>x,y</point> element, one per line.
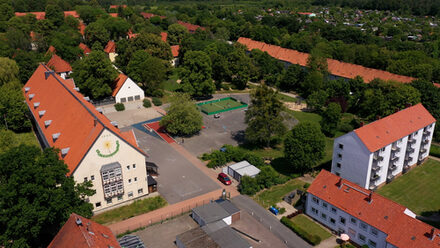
<point>220,105</point>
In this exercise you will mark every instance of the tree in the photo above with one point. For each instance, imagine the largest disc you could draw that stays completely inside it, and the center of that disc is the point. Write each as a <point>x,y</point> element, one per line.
<point>183,118</point>
<point>6,12</point>
<point>89,14</point>
<point>196,74</point>
<point>176,32</point>
<point>94,75</point>
<point>292,78</point>
<point>153,44</point>
<point>12,107</point>
<point>241,67</point>
<point>55,14</point>
<point>96,32</point>
<point>8,70</point>
<point>116,27</point>
<point>27,63</point>
<point>264,119</point>
<point>249,185</point>
<point>330,119</point>
<point>148,70</point>
<point>304,146</point>
<point>36,197</point>
<point>312,82</point>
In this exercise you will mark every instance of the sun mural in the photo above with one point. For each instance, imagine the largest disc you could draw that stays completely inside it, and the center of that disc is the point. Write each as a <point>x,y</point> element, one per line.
<point>108,145</point>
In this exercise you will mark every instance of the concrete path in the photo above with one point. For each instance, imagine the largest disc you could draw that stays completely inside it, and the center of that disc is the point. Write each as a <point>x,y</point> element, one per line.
<point>328,243</point>
<point>270,222</point>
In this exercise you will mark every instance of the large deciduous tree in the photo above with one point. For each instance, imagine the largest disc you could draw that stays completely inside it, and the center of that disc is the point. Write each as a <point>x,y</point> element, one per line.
<point>176,32</point>
<point>330,119</point>
<point>96,32</point>
<point>55,14</point>
<point>36,197</point>
<point>196,74</point>
<point>95,75</point>
<point>8,70</point>
<point>304,146</point>
<point>264,119</point>
<point>183,118</point>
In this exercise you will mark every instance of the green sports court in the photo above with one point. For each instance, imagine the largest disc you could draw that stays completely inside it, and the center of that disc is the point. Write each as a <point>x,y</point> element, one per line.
<point>220,105</point>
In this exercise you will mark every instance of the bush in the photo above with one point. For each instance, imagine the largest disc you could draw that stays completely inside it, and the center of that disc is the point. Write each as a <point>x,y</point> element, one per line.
<point>147,103</point>
<point>157,93</point>
<point>310,238</point>
<point>217,158</point>
<point>345,127</point>
<point>435,151</point>
<point>119,107</point>
<point>157,101</point>
<point>282,210</point>
<point>249,185</point>
<point>306,185</point>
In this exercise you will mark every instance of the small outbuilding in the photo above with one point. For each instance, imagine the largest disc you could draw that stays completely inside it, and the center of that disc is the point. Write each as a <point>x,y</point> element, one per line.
<point>216,211</point>
<point>243,168</point>
<point>126,90</point>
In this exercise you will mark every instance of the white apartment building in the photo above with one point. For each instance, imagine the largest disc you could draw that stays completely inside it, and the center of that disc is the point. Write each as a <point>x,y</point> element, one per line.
<point>92,147</point>
<point>367,218</point>
<point>375,154</point>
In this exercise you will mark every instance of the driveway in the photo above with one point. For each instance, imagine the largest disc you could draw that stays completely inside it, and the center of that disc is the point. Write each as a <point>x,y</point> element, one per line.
<point>270,222</point>
<point>178,178</point>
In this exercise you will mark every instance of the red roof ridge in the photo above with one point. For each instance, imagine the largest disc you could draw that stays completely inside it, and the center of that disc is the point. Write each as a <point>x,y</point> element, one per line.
<point>387,130</point>
<point>382,213</point>
<point>85,48</point>
<point>175,50</point>
<point>110,47</point>
<point>119,81</point>
<point>59,64</point>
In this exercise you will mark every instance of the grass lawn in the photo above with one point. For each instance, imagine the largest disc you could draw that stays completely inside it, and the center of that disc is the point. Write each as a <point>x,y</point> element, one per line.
<point>306,116</point>
<point>417,190</point>
<point>435,150</point>
<point>276,193</point>
<point>311,227</point>
<point>285,98</point>
<point>16,139</point>
<point>128,211</point>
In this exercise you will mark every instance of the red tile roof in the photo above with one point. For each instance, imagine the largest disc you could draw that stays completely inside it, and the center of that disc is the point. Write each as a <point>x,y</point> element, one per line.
<point>191,27</point>
<point>164,36</point>
<point>82,28</point>
<point>58,64</point>
<point>76,119</point>
<point>335,67</point>
<point>120,80</point>
<point>130,34</point>
<point>42,15</point>
<point>87,234</point>
<point>113,14</point>
<point>149,15</point>
<point>117,6</point>
<point>175,50</point>
<point>393,127</point>
<point>437,85</point>
<point>51,49</point>
<point>385,215</point>
<point>110,47</point>
<point>85,48</point>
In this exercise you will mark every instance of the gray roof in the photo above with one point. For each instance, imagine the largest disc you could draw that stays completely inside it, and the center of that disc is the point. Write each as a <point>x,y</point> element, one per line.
<point>196,238</point>
<point>214,226</point>
<point>228,238</point>
<point>131,241</point>
<point>228,206</point>
<point>243,168</point>
<point>211,212</point>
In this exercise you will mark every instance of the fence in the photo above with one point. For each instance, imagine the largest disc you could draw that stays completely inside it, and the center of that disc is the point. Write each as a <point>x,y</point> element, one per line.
<point>160,217</point>
<point>222,110</point>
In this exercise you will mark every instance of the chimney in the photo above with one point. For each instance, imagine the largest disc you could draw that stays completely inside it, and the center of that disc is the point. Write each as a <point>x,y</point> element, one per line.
<point>95,122</point>
<point>370,197</point>
<point>47,74</point>
<point>432,234</point>
<point>339,183</point>
<point>78,221</point>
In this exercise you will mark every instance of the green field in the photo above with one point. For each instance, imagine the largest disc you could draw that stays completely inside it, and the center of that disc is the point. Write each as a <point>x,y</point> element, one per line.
<point>417,189</point>
<point>310,227</point>
<point>221,105</point>
<point>276,193</point>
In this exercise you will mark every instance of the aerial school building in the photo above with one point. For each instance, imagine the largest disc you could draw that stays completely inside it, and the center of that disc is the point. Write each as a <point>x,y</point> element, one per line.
<point>93,148</point>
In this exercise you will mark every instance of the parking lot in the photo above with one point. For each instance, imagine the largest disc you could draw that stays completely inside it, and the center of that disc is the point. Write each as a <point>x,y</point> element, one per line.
<point>227,129</point>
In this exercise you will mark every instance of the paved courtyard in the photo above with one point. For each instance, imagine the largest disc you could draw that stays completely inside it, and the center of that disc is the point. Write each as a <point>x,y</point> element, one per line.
<point>134,113</point>
<point>178,178</point>
<point>228,129</point>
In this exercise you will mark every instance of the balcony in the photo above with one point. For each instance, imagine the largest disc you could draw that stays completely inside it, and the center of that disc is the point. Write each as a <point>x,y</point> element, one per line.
<point>377,157</point>
<point>426,133</point>
<point>423,150</point>
<point>410,150</point>
<point>375,168</point>
<point>393,167</point>
<point>394,158</point>
<point>374,177</point>
<point>411,141</point>
<point>372,187</point>
<point>395,149</point>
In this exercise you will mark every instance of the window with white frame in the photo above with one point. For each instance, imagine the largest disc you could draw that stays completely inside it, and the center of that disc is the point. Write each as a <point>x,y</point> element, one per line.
<point>134,166</point>
<point>130,194</point>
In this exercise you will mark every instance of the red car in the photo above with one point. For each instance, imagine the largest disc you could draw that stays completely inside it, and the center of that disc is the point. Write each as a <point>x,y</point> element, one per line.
<point>222,177</point>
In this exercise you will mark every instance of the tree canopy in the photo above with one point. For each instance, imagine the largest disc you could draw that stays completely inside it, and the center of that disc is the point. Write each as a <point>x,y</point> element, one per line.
<point>196,74</point>
<point>330,119</point>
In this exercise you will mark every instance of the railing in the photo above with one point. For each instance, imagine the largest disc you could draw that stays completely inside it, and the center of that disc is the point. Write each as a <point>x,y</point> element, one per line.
<point>426,133</point>
<point>393,167</point>
<point>377,157</point>
<point>375,168</point>
<point>374,177</point>
<point>390,177</point>
<point>411,140</point>
<point>393,158</point>
<point>409,150</point>
<point>395,149</point>
<point>423,150</point>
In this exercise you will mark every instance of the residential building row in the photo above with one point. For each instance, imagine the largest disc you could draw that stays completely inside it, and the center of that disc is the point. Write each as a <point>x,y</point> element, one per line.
<point>375,154</point>
<point>367,218</point>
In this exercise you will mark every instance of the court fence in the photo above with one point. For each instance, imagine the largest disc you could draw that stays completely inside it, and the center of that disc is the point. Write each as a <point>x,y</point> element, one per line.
<point>200,105</point>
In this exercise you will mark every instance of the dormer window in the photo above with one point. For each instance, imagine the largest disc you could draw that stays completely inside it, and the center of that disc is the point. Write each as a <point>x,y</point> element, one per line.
<point>41,113</point>
<point>55,136</point>
<point>31,96</point>
<point>36,104</point>
<point>47,123</point>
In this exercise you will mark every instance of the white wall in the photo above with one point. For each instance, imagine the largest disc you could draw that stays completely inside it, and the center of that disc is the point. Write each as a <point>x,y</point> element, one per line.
<point>355,161</point>
<point>126,156</point>
<point>129,89</point>
<point>228,220</point>
<point>352,229</point>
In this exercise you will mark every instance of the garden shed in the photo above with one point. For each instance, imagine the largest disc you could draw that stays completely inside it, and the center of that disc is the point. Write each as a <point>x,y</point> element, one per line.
<point>243,168</point>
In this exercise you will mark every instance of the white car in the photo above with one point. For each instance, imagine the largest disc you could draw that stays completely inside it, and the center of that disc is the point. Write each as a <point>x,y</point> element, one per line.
<point>216,116</point>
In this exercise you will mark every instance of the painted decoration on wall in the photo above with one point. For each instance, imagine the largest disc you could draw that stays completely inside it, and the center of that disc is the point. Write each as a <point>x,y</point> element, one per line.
<point>108,146</point>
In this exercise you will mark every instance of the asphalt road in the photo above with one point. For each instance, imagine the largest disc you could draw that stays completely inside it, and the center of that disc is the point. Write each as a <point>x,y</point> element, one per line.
<point>270,222</point>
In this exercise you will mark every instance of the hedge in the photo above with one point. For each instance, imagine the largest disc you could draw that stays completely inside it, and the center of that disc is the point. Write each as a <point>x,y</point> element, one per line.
<point>157,101</point>
<point>435,151</point>
<point>119,106</point>
<point>310,238</point>
<point>147,103</point>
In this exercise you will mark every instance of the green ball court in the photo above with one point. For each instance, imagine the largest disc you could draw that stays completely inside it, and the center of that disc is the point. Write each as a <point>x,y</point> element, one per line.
<point>220,105</point>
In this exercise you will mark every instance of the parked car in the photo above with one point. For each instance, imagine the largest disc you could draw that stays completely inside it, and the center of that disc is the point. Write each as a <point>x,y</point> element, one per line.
<point>216,116</point>
<point>222,177</point>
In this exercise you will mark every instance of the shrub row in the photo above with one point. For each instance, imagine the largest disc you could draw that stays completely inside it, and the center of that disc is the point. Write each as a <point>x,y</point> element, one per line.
<point>310,238</point>
<point>157,101</point>
<point>435,151</point>
<point>119,107</point>
<point>231,153</point>
<point>147,103</point>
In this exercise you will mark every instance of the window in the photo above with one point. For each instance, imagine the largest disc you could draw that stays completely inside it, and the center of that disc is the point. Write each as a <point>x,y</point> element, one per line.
<point>128,167</point>
<point>382,149</point>
<point>135,179</point>
<point>374,231</point>
<point>333,221</point>
<point>315,211</point>
<point>315,200</point>
<point>364,226</point>
<point>324,216</point>
<point>371,243</point>
<point>129,180</point>
<point>109,201</point>
<point>130,194</point>
<point>333,210</point>
<point>342,220</point>
<point>353,220</point>
<point>98,204</point>
<point>416,133</point>
<point>338,165</point>
<point>140,191</point>
<point>341,146</point>
<point>362,237</point>
<point>85,179</point>
<point>134,166</point>
<point>339,155</point>
<point>92,177</point>
<point>338,174</point>
<point>324,205</point>
<point>120,197</point>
